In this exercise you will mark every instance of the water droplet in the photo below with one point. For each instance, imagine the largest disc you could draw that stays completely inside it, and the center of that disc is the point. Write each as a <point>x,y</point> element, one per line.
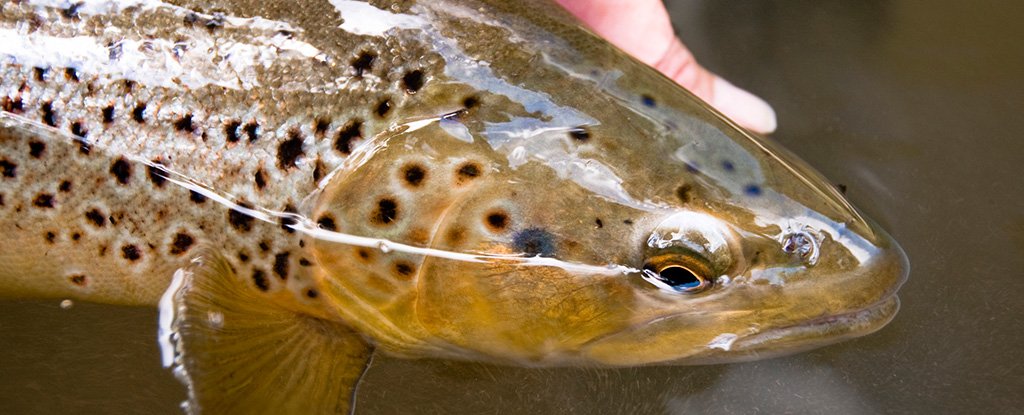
<point>384,247</point>
<point>215,318</point>
<point>66,304</point>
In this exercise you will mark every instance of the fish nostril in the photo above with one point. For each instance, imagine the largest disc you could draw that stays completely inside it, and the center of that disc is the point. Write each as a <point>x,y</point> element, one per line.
<point>801,245</point>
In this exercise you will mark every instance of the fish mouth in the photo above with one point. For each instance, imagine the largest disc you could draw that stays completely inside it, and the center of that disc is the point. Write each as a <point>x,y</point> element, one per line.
<point>803,336</point>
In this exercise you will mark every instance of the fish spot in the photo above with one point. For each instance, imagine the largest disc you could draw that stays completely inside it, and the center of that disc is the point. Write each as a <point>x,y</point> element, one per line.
<point>72,11</point>
<point>386,212</point>
<point>185,124</point>
<point>413,174</point>
<point>455,236</point>
<point>36,148</point>
<point>580,134</point>
<point>129,85</point>
<point>363,63</point>
<point>260,279</point>
<point>534,242</point>
<point>131,252</point>
<point>321,126</point>
<point>71,74</point>
<point>43,200</point>
<point>121,170</point>
<point>383,108</point>
<point>598,223</point>
<point>252,131</point>
<point>41,73</point>
<point>242,222</point>
<point>231,131</point>
<point>49,116</point>
<point>50,237</point>
<point>752,190</point>
<point>260,178</point>
<point>102,251</point>
<point>683,193</point>
<point>196,197</point>
<point>9,169</point>
<point>78,130</point>
<point>728,166</point>
<point>349,133</point>
<point>78,279</point>
<point>497,221</point>
<point>318,170</point>
<point>404,270</point>
<point>12,105</point>
<point>628,221</point>
<point>76,236</point>
<point>182,243</point>
<point>311,293</point>
<point>364,254</point>
<point>156,174</point>
<point>108,114</point>
<point>304,262</point>
<point>470,102</point>
<point>264,245</point>
<point>281,265</point>
<point>468,171</point>
<point>242,256</point>
<point>139,113</point>
<point>326,222</point>
<point>413,81</point>
<point>96,217</point>
<point>288,221</point>
<point>648,101</point>
<point>289,151</point>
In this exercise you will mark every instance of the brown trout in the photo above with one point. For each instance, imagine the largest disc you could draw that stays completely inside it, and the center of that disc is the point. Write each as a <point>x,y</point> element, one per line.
<point>301,184</point>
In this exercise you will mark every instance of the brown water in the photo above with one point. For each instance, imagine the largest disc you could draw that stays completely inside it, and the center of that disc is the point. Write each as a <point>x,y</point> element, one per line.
<point>915,106</point>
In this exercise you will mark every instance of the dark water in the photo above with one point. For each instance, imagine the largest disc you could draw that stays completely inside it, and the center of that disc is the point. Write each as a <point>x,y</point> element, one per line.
<point>917,107</point>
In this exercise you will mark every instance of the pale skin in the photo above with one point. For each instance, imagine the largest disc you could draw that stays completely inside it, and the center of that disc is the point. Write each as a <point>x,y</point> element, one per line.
<point>642,28</point>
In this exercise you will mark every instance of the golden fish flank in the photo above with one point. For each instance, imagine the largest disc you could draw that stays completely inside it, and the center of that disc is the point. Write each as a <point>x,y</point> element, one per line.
<point>467,179</point>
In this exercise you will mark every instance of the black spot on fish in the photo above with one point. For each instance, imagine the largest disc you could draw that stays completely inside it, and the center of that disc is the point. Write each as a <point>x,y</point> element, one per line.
<point>386,212</point>
<point>49,116</point>
<point>628,221</point>
<point>231,131</point>
<point>65,186</point>
<point>156,174</point>
<point>470,102</point>
<point>349,133</point>
<point>364,254</point>
<point>196,197</point>
<point>599,223</point>
<point>264,245</point>
<point>76,236</point>
<point>260,178</point>
<point>413,174</point>
<point>121,170</point>
<point>413,81</point>
<point>50,237</point>
<point>139,113</point>
<point>78,279</point>
<point>78,130</point>
<point>497,220</point>
<point>286,221</point>
<point>752,190</point>
<point>318,170</point>
<point>304,262</point>
<point>131,252</point>
<point>36,149</point>
<point>363,63</point>
<point>404,269</point>
<point>468,171</point>
<point>326,222</point>
<point>96,217</point>
<point>534,242</point>
<point>242,222</point>
<point>40,73</point>
<point>311,293</point>
<point>683,193</point>
<point>12,105</point>
<point>728,166</point>
<point>260,279</point>
<point>242,256</point>
<point>84,147</point>
<point>321,126</point>
<point>72,11</point>
<point>71,74</point>
<point>252,130</point>
<point>383,108</point>
<point>10,169</point>
<point>579,134</point>
<point>108,114</point>
<point>289,151</point>
<point>648,101</point>
<point>43,200</point>
<point>181,243</point>
<point>281,265</point>
<point>185,124</point>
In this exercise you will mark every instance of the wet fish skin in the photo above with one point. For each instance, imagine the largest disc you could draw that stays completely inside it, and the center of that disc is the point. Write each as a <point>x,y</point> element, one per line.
<point>485,128</point>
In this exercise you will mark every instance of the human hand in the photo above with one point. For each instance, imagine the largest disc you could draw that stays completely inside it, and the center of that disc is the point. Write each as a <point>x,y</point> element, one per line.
<point>642,28</point>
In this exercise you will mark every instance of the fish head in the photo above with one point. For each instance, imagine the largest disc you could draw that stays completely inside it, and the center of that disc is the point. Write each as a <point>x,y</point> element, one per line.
<point>626,225</point>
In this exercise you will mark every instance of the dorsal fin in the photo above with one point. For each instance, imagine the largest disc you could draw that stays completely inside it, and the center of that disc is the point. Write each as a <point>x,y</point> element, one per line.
<point>240,354</point>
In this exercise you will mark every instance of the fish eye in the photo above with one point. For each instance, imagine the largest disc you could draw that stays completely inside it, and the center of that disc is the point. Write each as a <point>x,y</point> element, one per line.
<point>677,278</point>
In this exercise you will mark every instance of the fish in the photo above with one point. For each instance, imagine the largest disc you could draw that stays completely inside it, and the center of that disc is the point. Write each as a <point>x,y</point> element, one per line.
<point>300,186</point>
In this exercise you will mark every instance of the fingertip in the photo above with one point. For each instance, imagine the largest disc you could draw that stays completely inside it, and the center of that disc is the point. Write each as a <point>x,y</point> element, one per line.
<point>745,108</point>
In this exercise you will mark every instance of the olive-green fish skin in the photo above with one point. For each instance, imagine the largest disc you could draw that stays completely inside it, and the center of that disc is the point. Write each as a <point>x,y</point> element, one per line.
<point>584,179</point>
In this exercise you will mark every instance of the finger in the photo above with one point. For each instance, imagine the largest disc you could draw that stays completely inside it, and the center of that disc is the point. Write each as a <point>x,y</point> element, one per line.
<point>642,28</point>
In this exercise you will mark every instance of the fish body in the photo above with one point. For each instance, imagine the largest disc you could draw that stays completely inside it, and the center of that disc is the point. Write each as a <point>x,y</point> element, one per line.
<point>467,179</point>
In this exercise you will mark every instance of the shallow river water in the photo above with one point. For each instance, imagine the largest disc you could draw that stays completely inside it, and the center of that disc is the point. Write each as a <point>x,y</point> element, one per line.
<point>916,107</point>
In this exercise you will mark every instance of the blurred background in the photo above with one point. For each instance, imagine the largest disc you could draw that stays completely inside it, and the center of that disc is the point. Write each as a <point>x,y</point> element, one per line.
<point>916,107</point>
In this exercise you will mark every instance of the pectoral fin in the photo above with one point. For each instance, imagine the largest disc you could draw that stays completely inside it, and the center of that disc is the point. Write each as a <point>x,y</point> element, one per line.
<point>238,353</point>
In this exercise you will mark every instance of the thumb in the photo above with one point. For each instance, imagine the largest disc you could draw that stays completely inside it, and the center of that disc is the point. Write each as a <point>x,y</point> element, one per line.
<point>642,28</point>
